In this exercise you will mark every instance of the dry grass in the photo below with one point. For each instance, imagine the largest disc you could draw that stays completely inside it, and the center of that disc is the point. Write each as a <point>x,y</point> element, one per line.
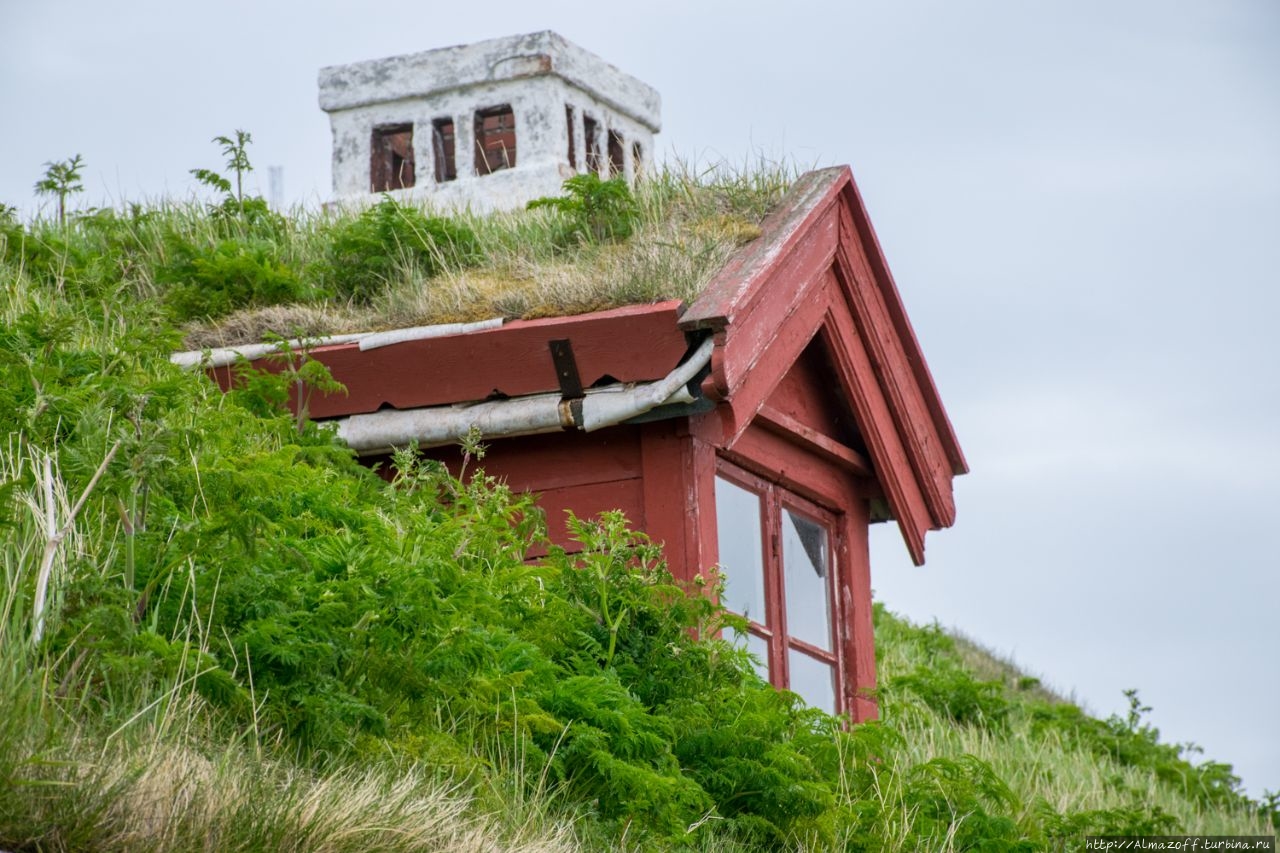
<point>151,768</point>
<point>158,791</point>
<point>690,224</point>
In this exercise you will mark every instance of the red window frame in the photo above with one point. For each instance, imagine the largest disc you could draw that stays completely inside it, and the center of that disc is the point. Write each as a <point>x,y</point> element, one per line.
<point>774,631</point>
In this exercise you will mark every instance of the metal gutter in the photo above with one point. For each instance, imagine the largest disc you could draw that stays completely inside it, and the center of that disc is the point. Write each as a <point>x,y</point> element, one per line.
<point>223,356</point>
<point>380,432</point>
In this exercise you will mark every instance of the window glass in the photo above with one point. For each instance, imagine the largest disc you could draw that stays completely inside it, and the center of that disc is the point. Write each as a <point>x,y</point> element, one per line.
<point>813,680</point>
<point>740,539</point>
<point>807,592</point>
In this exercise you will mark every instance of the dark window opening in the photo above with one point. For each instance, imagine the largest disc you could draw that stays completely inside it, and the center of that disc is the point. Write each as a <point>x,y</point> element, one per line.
<point>442,145</point>
<point>568,123</point>
<point>495,139</point>
<point>637,160</point>
<point>616,147</point>
<point>391,166</point>
<point>592,143</point>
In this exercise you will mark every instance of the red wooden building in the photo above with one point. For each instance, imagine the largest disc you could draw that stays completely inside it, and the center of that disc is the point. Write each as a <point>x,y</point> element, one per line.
<point>763,427</point>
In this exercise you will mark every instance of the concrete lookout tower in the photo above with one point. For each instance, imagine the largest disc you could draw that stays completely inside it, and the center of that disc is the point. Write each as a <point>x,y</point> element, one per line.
<point>489,125</point>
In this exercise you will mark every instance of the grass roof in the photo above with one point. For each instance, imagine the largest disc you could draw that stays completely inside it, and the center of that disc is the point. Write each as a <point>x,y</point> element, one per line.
<point>232,274</point>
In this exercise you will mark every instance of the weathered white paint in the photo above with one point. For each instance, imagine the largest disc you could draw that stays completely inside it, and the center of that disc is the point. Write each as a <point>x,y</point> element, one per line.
<point>223,356</point>
<point>538,74</point>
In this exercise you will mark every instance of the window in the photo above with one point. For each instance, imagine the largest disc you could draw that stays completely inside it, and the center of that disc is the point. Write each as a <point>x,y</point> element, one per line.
<point>391,166</point>
<point>568,123</point>
<point>442,145</point>
<point>637,160</point>
<point>616,147</point>
<point>591,141</point>
<point>778,556</point>
<point>495,139</point>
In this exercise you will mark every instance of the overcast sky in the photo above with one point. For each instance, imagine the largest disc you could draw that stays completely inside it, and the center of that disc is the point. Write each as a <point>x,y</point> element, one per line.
<point>1080,202</point>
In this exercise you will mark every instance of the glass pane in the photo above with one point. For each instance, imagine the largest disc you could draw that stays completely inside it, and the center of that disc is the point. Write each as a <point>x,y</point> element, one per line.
<point>759,649</point>
<point>814,680</point>
<point>738,532</point>
<point>805,570</point>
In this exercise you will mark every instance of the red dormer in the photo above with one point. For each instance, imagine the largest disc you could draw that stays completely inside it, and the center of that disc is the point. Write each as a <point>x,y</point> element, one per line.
<point>763,427</point>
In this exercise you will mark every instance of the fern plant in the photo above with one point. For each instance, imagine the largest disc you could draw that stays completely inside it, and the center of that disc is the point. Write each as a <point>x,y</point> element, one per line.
<point>236,152</point>
<point>61,179</point>
<point>595,210</point>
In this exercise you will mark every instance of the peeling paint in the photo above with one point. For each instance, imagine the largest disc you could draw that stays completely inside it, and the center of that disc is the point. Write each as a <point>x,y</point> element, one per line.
<point>538,74</point>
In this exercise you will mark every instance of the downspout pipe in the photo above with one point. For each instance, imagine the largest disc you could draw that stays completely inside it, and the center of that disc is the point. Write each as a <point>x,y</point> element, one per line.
<point>380,432</point>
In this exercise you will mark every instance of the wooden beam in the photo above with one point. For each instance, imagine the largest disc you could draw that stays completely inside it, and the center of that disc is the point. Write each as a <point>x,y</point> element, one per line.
<point>888,353</point>
<point>828,448</point>
<point>787,291</point>
<point>876,423</point>
<point>740,283</point>
<point>678,491</point>
<point>869,244</point>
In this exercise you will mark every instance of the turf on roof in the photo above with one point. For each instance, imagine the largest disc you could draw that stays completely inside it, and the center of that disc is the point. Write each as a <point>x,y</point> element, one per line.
<point>523,264</point>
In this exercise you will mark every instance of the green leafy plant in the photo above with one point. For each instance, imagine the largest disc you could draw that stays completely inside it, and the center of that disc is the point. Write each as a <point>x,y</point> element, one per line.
<point>234,273</point>
<point>595,210</point>
<point>288,383</point>
<point>954,692</point>
<point>61,179</point>
<point>236,152</point>
<point>244,628</point>
<point>391,239</point>
<point>236,214</point>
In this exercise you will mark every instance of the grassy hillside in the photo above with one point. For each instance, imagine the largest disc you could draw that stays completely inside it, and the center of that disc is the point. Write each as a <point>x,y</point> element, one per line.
<point>218,632</point>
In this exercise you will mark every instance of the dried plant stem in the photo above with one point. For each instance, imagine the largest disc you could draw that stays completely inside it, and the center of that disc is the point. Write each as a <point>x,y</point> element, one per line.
<point>55,534</point>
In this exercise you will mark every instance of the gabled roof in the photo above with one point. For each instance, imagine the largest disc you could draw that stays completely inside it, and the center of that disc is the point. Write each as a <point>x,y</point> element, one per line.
<point>817,272</point>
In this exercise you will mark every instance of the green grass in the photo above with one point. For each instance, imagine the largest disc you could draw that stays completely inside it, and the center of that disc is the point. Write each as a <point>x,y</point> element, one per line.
<point>1045,748</point>
<point>253,644</point>
<point>238,279</point>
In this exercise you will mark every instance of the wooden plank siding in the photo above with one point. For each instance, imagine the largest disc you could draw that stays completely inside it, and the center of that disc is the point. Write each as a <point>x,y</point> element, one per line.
<point>588,474</point>
<point>807,393</point>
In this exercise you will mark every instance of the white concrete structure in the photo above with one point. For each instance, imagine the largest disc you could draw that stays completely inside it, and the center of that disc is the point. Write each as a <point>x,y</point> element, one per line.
<point>488,125</point>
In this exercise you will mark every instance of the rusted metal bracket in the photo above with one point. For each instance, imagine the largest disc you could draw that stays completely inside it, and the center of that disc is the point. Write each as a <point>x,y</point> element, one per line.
<point>571,391</point>
<point>566,369</point>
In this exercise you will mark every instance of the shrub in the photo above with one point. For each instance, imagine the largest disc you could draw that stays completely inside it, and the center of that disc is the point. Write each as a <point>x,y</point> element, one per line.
<point>594,210</point>
<point>386,240</point>
<point>233,273</point>
<point>955,693</point>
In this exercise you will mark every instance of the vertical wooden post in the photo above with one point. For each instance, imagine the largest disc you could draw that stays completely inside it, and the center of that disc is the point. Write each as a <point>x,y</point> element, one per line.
<point>679,496</point>
<point>860,649</point>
